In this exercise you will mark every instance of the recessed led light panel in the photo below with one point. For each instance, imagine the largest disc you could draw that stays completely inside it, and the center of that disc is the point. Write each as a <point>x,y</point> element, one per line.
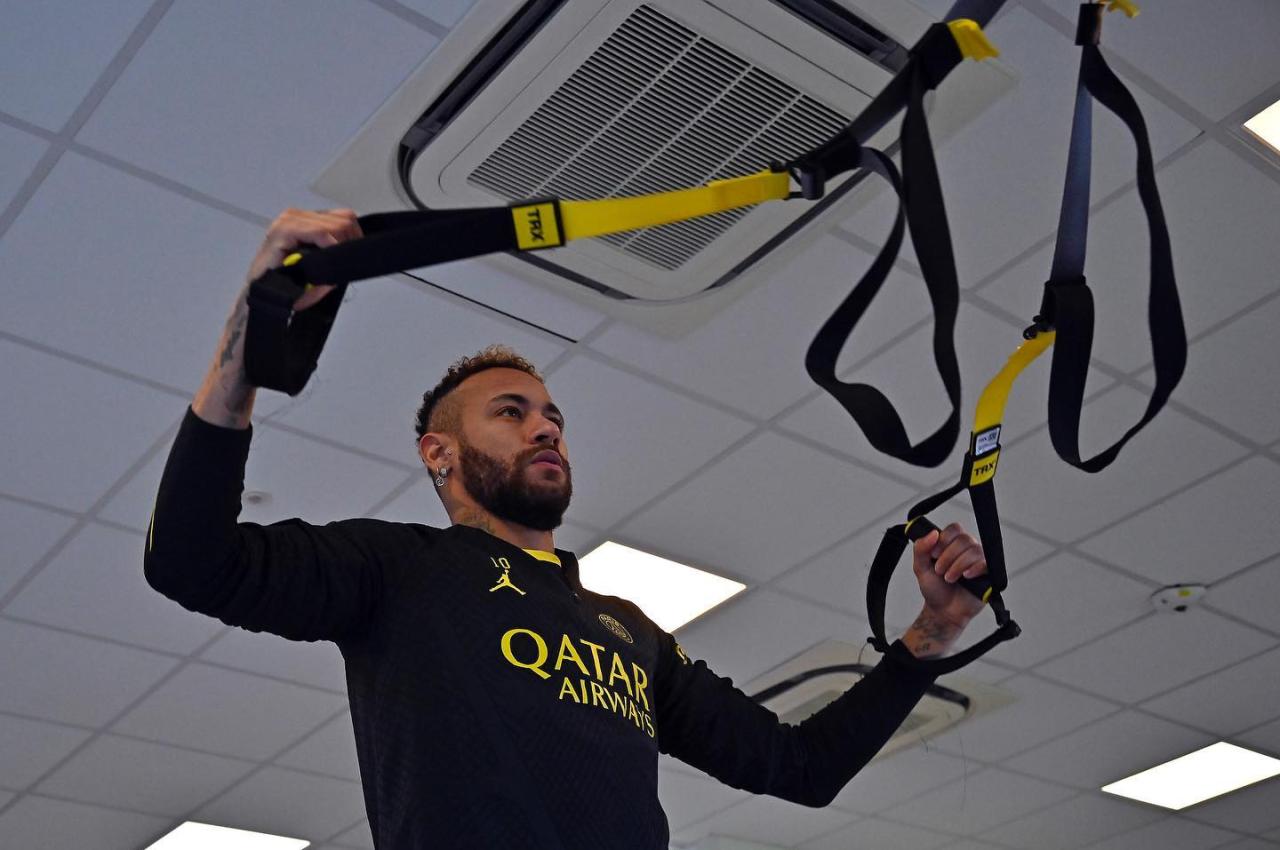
<point>1196,777</point>
<point>671,594</point>
<point>204,836</point>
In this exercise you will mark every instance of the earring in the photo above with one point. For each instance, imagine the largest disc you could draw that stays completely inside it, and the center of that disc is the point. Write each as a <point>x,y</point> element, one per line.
<point>440,476</point>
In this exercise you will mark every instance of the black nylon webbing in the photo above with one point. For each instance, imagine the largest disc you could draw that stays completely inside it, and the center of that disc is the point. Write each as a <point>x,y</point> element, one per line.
<point>1068,302</point>
<point>920,195</point>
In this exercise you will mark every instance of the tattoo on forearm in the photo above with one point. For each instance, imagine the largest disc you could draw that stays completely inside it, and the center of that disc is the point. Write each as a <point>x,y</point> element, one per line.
<point>235,327</point>
<point>929,635</point>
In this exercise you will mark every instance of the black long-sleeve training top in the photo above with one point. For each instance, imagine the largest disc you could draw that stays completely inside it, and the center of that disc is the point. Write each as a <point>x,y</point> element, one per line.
<point>495,701</point>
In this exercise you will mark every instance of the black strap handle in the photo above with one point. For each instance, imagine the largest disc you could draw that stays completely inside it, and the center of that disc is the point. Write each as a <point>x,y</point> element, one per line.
<point>282,347</point>
<point>1068,303</point>
<point>920,197</point>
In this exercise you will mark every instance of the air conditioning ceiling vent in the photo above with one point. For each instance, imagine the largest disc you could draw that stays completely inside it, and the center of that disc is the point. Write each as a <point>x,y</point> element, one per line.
<point>607,98</point>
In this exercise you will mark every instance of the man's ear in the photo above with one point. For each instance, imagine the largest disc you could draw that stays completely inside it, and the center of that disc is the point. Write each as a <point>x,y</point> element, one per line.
<point>435,450</point>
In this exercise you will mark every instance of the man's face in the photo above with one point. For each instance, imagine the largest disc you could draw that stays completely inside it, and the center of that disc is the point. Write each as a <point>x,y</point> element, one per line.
<point>511,451</point>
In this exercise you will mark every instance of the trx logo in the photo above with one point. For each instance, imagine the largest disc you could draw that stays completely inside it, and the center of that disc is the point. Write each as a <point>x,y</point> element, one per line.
<point>534,217</point>
<point>536,226</point>
<point>983,469</point>
<point>504,565</point>
<point>616,627</point>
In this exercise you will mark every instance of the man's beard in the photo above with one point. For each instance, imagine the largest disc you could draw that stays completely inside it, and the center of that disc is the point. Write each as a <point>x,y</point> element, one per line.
<point>506,492</point>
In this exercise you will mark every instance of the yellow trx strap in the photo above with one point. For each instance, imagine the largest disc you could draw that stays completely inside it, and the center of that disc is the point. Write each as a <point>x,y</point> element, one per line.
<point>550,223</point>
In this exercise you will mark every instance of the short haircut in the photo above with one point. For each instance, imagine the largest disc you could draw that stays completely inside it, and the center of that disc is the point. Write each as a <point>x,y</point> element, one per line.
<point>436,414</point>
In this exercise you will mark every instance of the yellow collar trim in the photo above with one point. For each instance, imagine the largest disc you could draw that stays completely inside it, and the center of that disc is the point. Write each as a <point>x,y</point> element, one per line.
<point>549,557</point>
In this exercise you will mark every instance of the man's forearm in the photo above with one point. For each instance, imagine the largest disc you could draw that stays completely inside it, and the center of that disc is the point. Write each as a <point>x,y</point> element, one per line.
<point>931,636</point>
<point>226,397</point>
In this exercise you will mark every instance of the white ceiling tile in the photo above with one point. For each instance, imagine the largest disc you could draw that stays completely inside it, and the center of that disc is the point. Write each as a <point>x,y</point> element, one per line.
<point>63,461</point>
<point>880,834</point>
<point>95,584</point>
<point>756,631</point>
<point>29,748</point>
<point>979,801</point>
<point>447,12</point>
<point>1249,844</point>
<point>629,440</point>
<point>318,664</point>
<point>391,344</point>
<point>771,821</point>
<point>1202,534</point>
<point>222,711</point>
<point>123,297</point>
<point>1110,749</point>
<point>19,153</point>
<point>494,285</point>
<point>1170,833</point>
<point>1065,602</point>
<point>839,577</point>
<point>898,777</point>
<point>330,750</point>
<point>146,777</point>
<point>39,822</point>
<point>1063,502</point>
<point>1251,594</point>
<point>750,356</point>
<point>1075,823</point>
<point>26,534</point>
<point>1041,711</point>
<point>284,802</point>
<point>1265,738</point>
<point>52,53</point>
<point>1220,213</point>
<point>1234,60</point>
<point>739,502</point>
<point>71,678</point>
<point>1255,808</point>
<point>1213,383</point>
<point>1228,702</point>
<point>299,474</point>
<point>1002,174</point>
<point>689,799</point>
<point>906,374</point>
<point>1156,654</point>
<point>190,105</point>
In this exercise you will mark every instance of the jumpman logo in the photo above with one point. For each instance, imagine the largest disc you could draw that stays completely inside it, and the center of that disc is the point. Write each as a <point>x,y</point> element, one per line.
<point>504,565</point>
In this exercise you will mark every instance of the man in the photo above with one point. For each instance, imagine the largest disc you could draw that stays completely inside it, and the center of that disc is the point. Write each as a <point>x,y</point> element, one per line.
<point>495,701</point>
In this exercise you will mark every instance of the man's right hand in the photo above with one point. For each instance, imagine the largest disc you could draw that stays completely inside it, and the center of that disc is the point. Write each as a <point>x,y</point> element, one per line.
<point>226,396</point>
<point>293,228</point>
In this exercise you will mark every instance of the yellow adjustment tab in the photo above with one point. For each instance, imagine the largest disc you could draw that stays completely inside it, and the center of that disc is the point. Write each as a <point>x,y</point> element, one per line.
<point>1129,8</point>
<point>990,411</point>
<point>583,219</point>
<point>971,40</point>
<point>984,469</point>
<point>536,226</point>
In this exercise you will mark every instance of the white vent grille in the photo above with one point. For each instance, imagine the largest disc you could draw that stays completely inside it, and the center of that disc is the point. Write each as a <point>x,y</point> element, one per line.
<point>656,107</point>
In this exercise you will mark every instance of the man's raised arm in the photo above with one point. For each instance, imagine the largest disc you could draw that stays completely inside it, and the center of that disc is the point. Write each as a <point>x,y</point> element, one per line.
<point>297,580</point>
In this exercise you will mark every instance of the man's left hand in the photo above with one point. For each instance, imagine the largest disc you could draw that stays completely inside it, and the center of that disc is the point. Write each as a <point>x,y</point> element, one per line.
<point>939,560</point>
